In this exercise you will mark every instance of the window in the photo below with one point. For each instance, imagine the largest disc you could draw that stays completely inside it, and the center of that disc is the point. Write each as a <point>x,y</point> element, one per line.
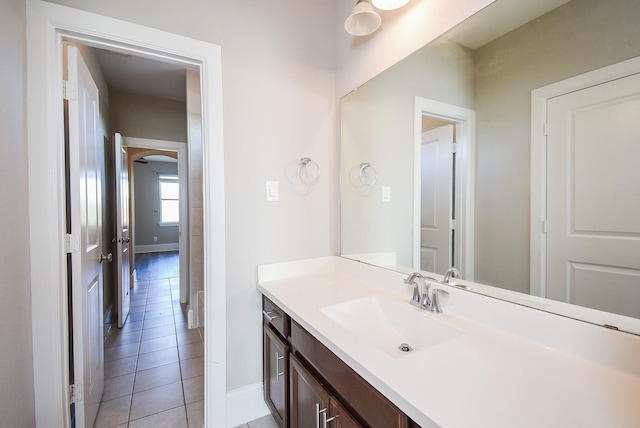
<point>169,200</point>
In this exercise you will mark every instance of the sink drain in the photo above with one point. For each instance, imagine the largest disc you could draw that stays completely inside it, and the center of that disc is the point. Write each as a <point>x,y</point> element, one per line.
<point>404,347</point>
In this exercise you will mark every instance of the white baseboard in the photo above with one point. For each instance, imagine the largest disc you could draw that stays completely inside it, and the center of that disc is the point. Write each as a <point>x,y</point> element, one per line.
<point>156,248</point>
<point>245,404</point>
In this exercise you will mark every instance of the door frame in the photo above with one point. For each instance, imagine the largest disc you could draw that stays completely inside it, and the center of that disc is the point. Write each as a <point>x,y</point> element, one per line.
<point>539,99</point>
<point>48,25</point>
<point>184,226</point>
<point>465,123</point>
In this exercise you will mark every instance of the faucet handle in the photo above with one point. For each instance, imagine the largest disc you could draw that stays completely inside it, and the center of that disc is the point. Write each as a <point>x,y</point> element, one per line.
<point>435,299</point>
<point>425,302</point>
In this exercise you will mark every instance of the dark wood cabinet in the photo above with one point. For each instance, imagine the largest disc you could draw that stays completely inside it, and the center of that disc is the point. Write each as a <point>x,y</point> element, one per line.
<point>311,403</point>
<point>319,389</point>
<point>339,416</point>
<point>366,402</point>
<point>276,375</point>
<point>308,397</point>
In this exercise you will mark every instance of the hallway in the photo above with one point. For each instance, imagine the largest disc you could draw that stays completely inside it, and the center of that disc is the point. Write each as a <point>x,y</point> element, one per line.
<point>154,365</point>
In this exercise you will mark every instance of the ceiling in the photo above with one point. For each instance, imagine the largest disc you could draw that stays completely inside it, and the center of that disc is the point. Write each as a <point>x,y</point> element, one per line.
<point>143,76</point>
<point>501,18</point>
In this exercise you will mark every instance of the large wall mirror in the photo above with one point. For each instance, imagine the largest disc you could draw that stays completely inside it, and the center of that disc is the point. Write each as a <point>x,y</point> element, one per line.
<point>508,148</point>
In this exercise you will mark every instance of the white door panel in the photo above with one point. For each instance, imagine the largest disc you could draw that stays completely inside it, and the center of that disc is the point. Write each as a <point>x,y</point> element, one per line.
<point>435,196</point>
<point>123,283</point>
<point>593,197</point>
<point>85,197</point>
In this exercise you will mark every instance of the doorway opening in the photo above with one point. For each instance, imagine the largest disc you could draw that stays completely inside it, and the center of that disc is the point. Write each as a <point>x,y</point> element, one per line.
<point>49,25</point>
<point>443,187</point>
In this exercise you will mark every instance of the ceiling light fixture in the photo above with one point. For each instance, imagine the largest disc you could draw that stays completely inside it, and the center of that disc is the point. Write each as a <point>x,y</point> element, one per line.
<point>363,19</point>
<point>389,4</point>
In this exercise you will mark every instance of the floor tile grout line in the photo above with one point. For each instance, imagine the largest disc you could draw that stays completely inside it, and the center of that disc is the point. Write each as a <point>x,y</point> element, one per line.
<point>140,340</point>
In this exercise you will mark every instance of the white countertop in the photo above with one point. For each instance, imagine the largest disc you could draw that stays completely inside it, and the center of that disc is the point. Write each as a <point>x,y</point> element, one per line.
<point>513,366</point>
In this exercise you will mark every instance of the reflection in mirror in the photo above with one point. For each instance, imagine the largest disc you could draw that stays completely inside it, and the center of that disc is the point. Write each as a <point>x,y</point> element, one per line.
<point>490,191</point>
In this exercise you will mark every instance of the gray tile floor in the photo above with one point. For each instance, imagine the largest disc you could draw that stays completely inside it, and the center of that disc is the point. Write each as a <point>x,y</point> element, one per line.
<point>154,365</point>
<point>264,422</point>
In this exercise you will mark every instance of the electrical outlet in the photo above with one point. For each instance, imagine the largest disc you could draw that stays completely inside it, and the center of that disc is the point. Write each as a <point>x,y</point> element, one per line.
<point>155,239</point>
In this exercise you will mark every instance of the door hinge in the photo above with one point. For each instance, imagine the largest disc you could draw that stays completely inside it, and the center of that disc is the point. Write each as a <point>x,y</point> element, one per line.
<point>454,148</point>
<point>453,224</point>
<point>544,226</point>
<point>72,243</point>
<point>545,129</point>
<point>75,393</point>
<point>69,90</point>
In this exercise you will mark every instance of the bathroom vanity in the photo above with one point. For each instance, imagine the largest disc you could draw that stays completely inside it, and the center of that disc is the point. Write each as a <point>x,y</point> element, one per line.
<point>334,331</point>
<point>307,385</point>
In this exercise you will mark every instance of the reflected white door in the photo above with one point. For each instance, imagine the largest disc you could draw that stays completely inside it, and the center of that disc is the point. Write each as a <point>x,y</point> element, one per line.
<point>123,274</point>
<point>436,199</point>
<point>593,197</point>
<point>85,182</point>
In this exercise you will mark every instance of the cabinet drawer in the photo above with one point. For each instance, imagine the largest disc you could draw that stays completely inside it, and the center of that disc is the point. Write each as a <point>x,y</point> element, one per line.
<point>369,404</point>
<point>274,316</point>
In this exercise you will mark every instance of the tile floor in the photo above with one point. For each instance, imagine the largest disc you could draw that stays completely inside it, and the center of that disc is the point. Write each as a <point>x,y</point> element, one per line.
<point>264,422</point>
<point>154,365</point>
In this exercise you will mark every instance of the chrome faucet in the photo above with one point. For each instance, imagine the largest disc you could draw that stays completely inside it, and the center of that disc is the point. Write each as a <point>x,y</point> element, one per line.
<point>421,297</point>
<point>420,289</point>
<point>452,272</point>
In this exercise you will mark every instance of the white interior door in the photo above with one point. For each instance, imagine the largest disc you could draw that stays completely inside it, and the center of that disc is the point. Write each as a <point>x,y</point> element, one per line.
<point>123,239</point>
<point>435,199</point>
<point>593,197</point>
<point>85,180</point>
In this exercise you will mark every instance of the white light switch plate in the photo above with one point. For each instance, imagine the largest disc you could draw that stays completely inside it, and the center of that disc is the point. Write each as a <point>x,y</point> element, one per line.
<point>386,194</point>
<point>272,191</point>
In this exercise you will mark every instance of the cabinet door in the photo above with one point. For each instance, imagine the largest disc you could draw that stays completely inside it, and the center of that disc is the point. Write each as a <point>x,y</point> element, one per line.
<point>339,417</point>
<point>276,379</point>
<point>308,397</point>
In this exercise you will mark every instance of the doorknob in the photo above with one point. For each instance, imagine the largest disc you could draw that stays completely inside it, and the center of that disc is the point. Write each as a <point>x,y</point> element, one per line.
<point>108,257</point>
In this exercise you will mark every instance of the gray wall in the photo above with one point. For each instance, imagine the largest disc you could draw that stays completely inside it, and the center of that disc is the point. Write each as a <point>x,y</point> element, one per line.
<point>147,204</point>
<point>377,127</point>
<point>577,37</point>
<point>143,116</point>
<point>16,371</point>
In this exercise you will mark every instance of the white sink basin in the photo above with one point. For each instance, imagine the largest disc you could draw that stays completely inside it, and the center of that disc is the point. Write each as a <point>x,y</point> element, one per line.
<point>388,325</point>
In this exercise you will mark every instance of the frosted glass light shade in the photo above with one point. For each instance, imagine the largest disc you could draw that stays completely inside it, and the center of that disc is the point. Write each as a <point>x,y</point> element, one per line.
<point>389,4</point>
<point>363,19</point>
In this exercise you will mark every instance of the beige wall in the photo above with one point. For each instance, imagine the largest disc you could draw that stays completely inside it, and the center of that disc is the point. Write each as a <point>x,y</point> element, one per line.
<point>578,37</point>
<point>279,100</point>
<point>279,77</point>
<point>16,371</point>
<point>196,220</point>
